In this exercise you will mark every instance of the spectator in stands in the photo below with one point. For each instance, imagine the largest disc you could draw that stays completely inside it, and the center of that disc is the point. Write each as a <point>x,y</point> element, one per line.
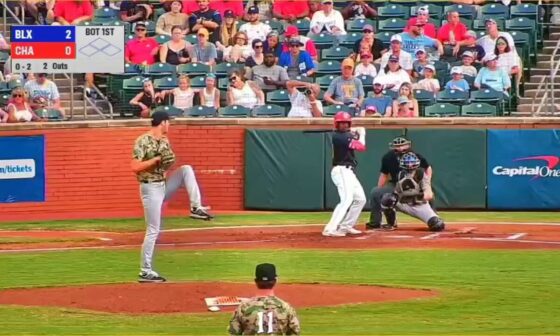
<point>272,44</point>
<point>135,11</point>
<point>207,19</point>
<point>257,57</point>
<point>292,32</point>
<point>305,103</point>
<point>491,76</point>
<point>210,95</point>
<point>405,59</point>
<point>240,92</point>
<point>4,45</point>
<point>240,51</point>
<point>415,39</point>
<point>393,75</point>
<point>166,4</point>
<point>454,35</point>
<point>378,105</point>
<point>457,81</point>
<point>346,89</point>
<point>72,12</point>
<point>204,51</point>
<point>190,6</point>
<point>328,21</point>
<point>507,59</point>
<point>268,75</point>
<point>228,31</point>
<point>141,49</point>
<point>176,50</point>
<point>296,61</point>
<point>183,95</point>
<point>488,41</point>
<point>467,67</point>
<point>420,63</point>
<point>477,50</point>
<point>43,93</point>
<point>365,67</point>
<point>402,109</point>
<point>358,10</point>
<point>18,108</point>
<point>41,10</point>
<point>290,10</point>
<point>172,19</point>
<point>254,28</point>
<point>265,7</point>
<point>376,46</point>
<point>145,100</point>
<point>429,82</point>
<point>234,6</point>
<point>314,6</point>
<point>422,18</point>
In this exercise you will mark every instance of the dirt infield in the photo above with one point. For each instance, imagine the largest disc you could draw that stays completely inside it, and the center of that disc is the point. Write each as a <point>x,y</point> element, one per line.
<point>457,236</point>
<point>189,297</point>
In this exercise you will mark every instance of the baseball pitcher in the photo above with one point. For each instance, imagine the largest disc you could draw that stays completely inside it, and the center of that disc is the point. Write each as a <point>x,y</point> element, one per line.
<point>411,195</point>
<point>152,158</point>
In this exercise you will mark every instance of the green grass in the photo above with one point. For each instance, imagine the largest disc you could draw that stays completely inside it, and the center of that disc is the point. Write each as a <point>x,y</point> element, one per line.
<point>137,224</point>
<point>32,240</point>
<point>482,292</point>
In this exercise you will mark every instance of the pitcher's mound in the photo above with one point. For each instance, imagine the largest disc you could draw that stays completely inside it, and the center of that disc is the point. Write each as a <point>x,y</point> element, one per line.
<point>189,297</point>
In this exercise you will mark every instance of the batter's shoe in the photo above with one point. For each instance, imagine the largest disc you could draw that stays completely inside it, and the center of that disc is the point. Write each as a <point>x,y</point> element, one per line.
<point>334,234</point>
<point>200,213</point>
<point>353,231</point>
<point>145,277</point>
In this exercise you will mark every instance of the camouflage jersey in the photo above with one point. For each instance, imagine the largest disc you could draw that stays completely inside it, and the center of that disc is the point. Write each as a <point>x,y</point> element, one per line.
<point>264,315</point>
<point>147,147</point>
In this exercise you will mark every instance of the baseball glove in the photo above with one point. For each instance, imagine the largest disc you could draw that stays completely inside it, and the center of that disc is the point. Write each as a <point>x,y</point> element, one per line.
<point>167,155</point>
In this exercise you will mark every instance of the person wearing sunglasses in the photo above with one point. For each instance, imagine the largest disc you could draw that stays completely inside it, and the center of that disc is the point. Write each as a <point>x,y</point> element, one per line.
<point>141,49</point>
<point>243,93</point>
<point>19,109</point>
<point>257,58</point>
<point>296,61</point>
<point>327,20</point>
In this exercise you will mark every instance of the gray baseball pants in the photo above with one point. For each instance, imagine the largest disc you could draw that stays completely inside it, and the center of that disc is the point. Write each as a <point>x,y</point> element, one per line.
<point>153,196</point>
<point>422,212</point>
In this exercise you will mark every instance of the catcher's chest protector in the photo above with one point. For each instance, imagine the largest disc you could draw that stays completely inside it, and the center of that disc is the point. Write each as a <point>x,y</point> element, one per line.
<point>408,184</point>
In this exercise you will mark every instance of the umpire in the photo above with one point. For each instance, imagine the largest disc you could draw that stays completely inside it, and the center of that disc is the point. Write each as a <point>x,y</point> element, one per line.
<point>388,177</point>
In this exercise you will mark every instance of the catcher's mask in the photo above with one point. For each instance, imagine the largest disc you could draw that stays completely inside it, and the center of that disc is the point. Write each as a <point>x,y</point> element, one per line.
<point>409,161</point>
<point>400,142</point>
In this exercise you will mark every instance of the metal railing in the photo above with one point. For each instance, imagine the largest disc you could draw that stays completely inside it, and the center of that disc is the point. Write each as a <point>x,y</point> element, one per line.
<point>547,86</point>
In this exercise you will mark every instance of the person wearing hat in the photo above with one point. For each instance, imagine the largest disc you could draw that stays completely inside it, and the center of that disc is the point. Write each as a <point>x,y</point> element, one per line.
<point>290,10</point>
<point>365,67</point>
<point>141,49</point>
<point>429,82</point>
<point>233,6</point>
<point>395,49</point>
<point>420,63</point>
<point>255,29</point>
<point>296,61</point>
<point>457,81</point>
<point>356,10</point>
<point>203,51</point>
<point>378,104</point>
<point>328,21</point>
<point>467,59</point>
<point>376,46</point>
<point>492,76</point>
<point>414,39</point>
<point>265,8</point>
<point>422,19</point>
<point>453,34</point>
<point>173,18</point>
<point>227,32</point>
<point>393,76</point>
<point>388,177</point>
<point>488,41</point>
<point>206,18</point>
<point>308,45</point>
<point>346,89</point>
<point>152,157</point>
<point>264,313</point>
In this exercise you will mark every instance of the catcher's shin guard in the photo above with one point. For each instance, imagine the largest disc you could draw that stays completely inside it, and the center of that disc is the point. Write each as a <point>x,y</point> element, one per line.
<point>391,217</point>
<point>436,224</point>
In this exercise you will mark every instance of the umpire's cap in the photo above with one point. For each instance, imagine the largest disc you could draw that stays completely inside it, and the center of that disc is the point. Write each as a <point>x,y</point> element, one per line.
<point>265,272</point>
<point>399,141</point>
<point>159,117</point>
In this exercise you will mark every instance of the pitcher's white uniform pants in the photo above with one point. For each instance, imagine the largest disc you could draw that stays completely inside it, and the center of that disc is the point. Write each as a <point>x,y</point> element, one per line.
<point>352,200</point>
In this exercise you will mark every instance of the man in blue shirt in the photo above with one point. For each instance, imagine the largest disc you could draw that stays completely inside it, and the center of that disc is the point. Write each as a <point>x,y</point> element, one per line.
<point>296,61</point>
<point>379,105</point>
<point>415,39</point>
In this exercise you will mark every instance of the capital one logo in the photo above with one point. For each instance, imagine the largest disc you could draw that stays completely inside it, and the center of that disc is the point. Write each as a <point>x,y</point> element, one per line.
<point>537,166</point>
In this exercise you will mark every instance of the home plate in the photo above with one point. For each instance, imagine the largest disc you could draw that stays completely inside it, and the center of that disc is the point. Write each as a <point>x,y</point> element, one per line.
<point>466,230</point>
<point>400,236</point>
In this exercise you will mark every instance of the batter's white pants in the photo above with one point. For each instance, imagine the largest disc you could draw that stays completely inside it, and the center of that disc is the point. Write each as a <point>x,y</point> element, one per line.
<point>352,200</point>
<point>153,196</point>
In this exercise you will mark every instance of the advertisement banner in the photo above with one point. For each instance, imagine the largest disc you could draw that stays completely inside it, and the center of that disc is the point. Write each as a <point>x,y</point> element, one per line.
<point>22,169</point>
<point>524,169</point>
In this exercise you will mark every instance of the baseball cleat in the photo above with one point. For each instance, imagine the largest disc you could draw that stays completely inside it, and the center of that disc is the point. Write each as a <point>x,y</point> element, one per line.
<point>334,234</point>
<point>371,227</point>
<point>388,227</point>
<point>353,231</point>
<point>145,277</point>
<point>200,213</point>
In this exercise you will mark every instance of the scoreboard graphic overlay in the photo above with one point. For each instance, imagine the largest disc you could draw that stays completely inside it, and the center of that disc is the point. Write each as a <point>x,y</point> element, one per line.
<point>67,49</point>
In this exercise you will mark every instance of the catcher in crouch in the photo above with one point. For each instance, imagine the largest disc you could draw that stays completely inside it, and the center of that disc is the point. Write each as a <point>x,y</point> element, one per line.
<point>412,194</point>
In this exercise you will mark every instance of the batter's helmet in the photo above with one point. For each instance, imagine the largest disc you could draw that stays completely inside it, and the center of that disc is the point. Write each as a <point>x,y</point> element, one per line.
<point>342,117</point>
<point>409,161</point>
<point>399,141</point>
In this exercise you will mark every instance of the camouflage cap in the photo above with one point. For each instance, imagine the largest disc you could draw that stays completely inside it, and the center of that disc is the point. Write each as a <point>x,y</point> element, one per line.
<point>265,272</point>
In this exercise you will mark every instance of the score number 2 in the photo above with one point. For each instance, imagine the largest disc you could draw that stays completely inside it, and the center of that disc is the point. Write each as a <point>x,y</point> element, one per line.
<point>68,34</point>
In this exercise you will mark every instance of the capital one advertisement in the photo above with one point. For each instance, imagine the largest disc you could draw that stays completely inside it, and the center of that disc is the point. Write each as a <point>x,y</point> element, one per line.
<point>524,169</point>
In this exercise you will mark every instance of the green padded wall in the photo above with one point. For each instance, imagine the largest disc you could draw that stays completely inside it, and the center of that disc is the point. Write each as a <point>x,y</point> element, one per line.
<point>458,158</point>
<point>284,170</point>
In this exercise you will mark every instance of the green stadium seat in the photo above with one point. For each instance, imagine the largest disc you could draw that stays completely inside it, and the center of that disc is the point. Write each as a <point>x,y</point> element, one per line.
<point>200,111</point>
<point>436,11</point>
<point>191,38</point>
<point>442,110</point>
<point>305,79</point>
<point>173,111</point>
<point>384,37</point>
<point>322,41</point>
<point>497,10</point>
<point>234,111</point>
<point>331,110</point>
<point>325,81</point>
<point>198,82</point>
<point>367,82</point>
<point>357,25</point>
<point>223,83</point>
<point>328,68</point>
<point>478,110</point>
<point>4,55</point>
<point>335,53</point>
<point>269,110</point>
<point>161,39</point>
<point>394,25</point>
<point>489,96</point>
<point>4,98</point>
<point>424,98</point>
<point>392,10</point>
<point>14,83</point>
<point>275,25</point>
<point>194,69</point>
<point>479,24</point>
<point>105,14</point>
<point>350,39</point>
<point>452,97</point>
<point>465,11</point>
<point>302,26</point>
<point>224,68</point>
<point>278,97</point>
<point>166,83</point>
<point>161,69</point>
<point>50,114</point>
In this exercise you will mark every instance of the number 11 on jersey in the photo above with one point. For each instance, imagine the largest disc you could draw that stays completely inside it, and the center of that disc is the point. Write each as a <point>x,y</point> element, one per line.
<point>269,318</point>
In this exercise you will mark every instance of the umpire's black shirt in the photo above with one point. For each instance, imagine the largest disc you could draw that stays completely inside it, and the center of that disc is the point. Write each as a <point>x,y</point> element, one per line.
<point>390,164</point>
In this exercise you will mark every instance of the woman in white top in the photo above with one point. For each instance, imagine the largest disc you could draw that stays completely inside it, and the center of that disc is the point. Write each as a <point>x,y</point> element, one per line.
<point>182,96</point>
<point>210,95</point>
<point>394,76</point>
<point>507,59</point>
<point>246,94</point>
<point>327,20</point>
<point>18,108</point>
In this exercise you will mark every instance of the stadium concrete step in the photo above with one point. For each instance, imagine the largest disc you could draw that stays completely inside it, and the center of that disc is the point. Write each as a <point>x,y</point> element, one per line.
<point>542,57</point>
<point>536,78</point>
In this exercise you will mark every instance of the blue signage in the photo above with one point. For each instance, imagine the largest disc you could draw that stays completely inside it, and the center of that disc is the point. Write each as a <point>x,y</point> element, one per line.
<point>22,169</point>
<point>43,34</point>
<point>523,169</point>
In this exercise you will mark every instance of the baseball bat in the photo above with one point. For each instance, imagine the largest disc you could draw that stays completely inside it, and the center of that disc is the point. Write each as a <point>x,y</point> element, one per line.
<point>319,131</point>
